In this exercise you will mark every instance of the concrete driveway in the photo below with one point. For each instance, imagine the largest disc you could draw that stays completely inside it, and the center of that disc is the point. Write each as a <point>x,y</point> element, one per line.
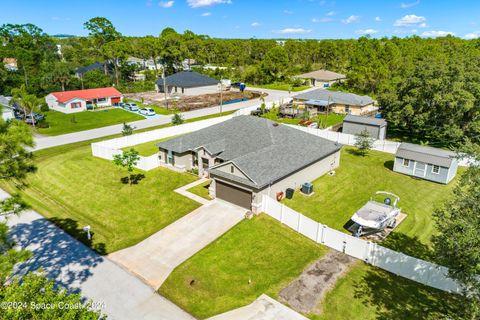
<point>155,258</point>
<point>76,267</point>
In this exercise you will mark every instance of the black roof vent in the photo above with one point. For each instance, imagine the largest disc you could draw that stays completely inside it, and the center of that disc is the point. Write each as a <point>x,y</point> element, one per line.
<point>275,124</point>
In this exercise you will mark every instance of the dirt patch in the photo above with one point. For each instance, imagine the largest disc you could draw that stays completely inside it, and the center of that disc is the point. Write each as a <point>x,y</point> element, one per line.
<point>306,292</point>
<point>187,103</point>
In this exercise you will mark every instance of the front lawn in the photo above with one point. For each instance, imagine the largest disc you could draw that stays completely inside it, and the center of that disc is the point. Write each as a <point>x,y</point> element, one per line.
<point>254,257</point>
<point>280,86</point>
<point>325,120</point>
<point>62,123</point>
<point>74,189</point>
<point>147,148</point>
<point>338,197</point>
<point>201,190</point>
<point>369,293</point>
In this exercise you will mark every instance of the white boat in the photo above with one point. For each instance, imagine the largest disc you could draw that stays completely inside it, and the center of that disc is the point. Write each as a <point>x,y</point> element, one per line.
<point>375,216</point>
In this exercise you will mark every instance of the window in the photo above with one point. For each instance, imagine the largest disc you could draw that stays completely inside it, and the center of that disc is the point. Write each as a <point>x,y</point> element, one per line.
<point>232,170</point>
<point>406,163</point>
<point>101,99</point>
<point>435,169</point>
<point>75,105</point>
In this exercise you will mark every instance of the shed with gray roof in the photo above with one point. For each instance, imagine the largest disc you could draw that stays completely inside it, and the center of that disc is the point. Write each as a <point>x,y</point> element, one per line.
<point>188,82</point>
<point>322,78</point>
<point>376,127</point>
<point>247,157</point>
<point>428,163</point>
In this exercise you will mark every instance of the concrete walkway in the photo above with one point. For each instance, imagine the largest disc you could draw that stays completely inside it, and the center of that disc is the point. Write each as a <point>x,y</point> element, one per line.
<point>42,142</point>
<point>264,308</point>
<point>76,267</point>
<point>183,191</point>
<point>154,258</point>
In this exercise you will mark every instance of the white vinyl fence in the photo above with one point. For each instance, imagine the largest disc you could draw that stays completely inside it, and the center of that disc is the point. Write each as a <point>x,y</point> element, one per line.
<point>392,261</point>
<point>108,148</point>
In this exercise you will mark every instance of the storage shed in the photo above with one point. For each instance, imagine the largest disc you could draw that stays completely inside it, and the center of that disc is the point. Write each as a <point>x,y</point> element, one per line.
<point>428,163</point>
<point>377,128</point>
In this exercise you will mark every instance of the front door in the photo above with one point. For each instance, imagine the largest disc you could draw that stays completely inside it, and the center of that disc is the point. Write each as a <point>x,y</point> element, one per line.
<point>420,169</point>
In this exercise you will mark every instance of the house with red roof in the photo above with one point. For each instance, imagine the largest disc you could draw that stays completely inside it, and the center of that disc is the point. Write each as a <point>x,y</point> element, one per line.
<point>82,100</point>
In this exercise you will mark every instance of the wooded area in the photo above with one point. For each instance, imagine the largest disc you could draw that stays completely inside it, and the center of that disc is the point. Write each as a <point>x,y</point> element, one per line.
<point>427,89</point>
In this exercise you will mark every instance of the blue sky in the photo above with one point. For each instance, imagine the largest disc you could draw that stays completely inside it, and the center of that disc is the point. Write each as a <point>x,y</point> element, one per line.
<point>249,18</point>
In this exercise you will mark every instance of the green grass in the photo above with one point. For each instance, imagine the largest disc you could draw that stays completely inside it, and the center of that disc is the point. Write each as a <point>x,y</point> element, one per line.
<point>261,250</point>
<point>280,86</point>
<point>148,148</point>
<point>62,123</point>
<point>74,189</point>
<point>368,293</point>
<point>338,197</point>
<point>331,119</point>
<point>201,190</point>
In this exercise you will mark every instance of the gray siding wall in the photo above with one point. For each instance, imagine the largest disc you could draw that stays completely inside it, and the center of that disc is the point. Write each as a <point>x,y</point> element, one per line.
<point>444,176</point>
<point>183,159</point>
<point>355,128</point>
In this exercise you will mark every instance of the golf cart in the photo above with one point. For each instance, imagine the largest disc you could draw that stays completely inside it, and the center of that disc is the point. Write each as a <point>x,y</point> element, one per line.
<point>375,216</point>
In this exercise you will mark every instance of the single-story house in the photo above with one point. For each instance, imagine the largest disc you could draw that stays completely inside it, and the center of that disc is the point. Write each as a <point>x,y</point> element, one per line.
<point>322,78</point>
<point>376,127</point>
<point>426,162</point>
<point>188,83</point>
<point>248,157</point>
<point>81,100</point>
<point>7,110</point>
<point>94,66</point>
<point>317,101</point>
<point>10,64</point>
<point>143,63</point>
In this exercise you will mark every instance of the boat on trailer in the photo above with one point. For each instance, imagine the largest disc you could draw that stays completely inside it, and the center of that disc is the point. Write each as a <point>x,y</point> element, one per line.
<point>375,216</point>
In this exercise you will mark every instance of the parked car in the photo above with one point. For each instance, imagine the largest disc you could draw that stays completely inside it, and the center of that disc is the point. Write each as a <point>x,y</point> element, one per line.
<point>131,106</point>
<point>34,117</point>
<point>147,111</point>
<point>258,112</point>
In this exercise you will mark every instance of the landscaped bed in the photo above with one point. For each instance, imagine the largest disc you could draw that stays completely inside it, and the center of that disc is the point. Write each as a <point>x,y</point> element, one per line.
<point>366,292</point>
<point>256,256</point>
<point>75,189</point>
<point>62,123</point>
<point>337,197</point>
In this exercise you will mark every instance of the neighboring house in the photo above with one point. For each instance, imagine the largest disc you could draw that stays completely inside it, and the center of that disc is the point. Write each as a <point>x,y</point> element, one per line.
<point>142,63</point>
<point>7,110</point>
<point>94,66</point>
<point>10,64</point>
<point>188,83</point>
<point>247,157</point>
<point>317,101</point>
<point>377,128</point>
<point>426,162</point>
<point>322,78</point>
<point>81,100</point>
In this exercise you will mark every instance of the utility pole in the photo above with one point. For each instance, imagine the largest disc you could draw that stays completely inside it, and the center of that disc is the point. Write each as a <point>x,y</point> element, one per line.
<point>221,94</point>
<point>326,113</point>
<point>164,85</point>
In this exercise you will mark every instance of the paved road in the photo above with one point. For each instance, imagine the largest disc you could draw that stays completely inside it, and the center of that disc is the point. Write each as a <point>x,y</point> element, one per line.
<point>154,258</point>
<point>79,269</point>
<point>43,142</point>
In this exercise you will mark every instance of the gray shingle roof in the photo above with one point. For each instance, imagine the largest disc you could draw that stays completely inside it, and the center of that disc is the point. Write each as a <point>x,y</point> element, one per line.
<point>365,120</point>
<point>335,97</point>
<point>188,79</point>
<point>439,157</point>
<point>320,75</point>
<point>264,150</point>
<point>4,101</point>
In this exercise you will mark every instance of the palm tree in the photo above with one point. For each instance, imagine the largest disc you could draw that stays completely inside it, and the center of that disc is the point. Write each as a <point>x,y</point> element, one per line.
<point>28,102</point>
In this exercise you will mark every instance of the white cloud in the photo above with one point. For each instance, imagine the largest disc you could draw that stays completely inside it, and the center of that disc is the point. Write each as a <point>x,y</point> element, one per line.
<point>206,3</point>
<point>434,34</point>
<point>293,31</point>
<point>206,14</point>
<point>331,13</point>
<point>378,19</point>
<point>255,24</point>
<point>315,20</point>
<point>472,35</point>
<point>405,5</point>
<point>366,31</point>
<point>166,4</point>
<point>423,25</point>
<point>287,11</point>
<point>351,19</point>
<point>409,20</point>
